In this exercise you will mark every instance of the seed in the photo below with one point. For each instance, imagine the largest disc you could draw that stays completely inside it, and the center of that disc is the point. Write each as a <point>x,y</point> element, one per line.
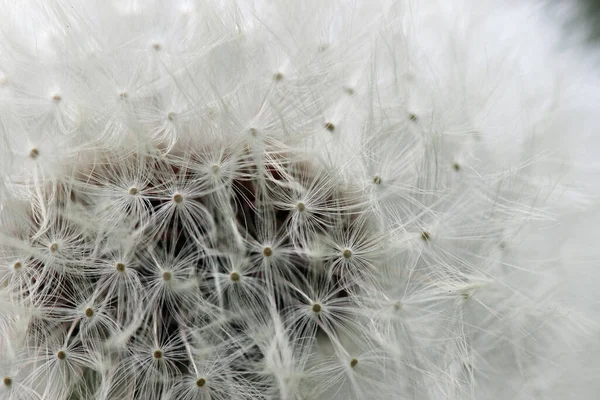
<point>215,169</point>
<point>425,236</point>
<point>158,354</point>
<point>61,355</point>
<point>300,206</point>
<point>316,307</point>
<point>330,126</point>
<point>156,46</point>
<point>349,90</point>
<point>89,312</point>
<point>177,198</point>
<point>412,117</point>
<point>123,95</point>
<point>377,180</point>
<point>201,382</point>
<point>17,265</point>
<point>267,252</point>
<point>278,76</point>
<point>171,116</point>
<point>347,253</point>
<point>7,381</point>
<point>54,247</point>
<point>235,277</point>
<point>456,166</point>
<point>56,98</point>
<point>167,276</point>
<point>353,362</point>
<point>120,267</point>
<point>133,191</point>
<point>34,153</point>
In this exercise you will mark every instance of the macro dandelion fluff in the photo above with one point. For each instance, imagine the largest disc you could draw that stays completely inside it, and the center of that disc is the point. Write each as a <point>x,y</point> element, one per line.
<point>373,199</point>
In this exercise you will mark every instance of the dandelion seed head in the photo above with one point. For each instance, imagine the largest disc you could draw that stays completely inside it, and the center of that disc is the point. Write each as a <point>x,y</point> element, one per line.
<point>171,166</point>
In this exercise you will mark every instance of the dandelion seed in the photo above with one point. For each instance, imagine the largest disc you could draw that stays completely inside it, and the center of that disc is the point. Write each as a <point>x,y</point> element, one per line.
<point>7,381</point>
<point>456,166</point>
<point>278,76</point>
<point>53,247</point>
<point>133,191</point>
<point>178,198</point>
<point>61,355</point>
<point>201,382</point>
<point>89,312</point>
<point>17,265</point>
<point>267,252</point>
<point>425,236</point>
<point>377,180</point>
<point>157,354</point>
<point>300,206</point>
<point>123,95</point>
<point>330,126</point>
<point>349,90</point>
<point>347,253</point>
<point>171,116</point>
<point>413,117</point>
<point>235,277</point>
<point>167,276</point>
<point>316,308</point>
<point>156,46</point>
<point>34,153</point>
<point>120,267</point>
<point>353,363</point>
<point>56,98</point>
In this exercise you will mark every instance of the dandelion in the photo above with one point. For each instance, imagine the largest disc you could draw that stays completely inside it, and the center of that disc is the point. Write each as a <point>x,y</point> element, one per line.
<point>297,200</point>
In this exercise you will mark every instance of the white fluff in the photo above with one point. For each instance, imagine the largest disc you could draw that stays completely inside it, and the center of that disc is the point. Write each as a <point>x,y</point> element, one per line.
<point>261,199</point>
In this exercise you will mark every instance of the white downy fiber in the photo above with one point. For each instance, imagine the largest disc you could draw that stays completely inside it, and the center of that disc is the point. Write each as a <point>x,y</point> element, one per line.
<point>298,199</point>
